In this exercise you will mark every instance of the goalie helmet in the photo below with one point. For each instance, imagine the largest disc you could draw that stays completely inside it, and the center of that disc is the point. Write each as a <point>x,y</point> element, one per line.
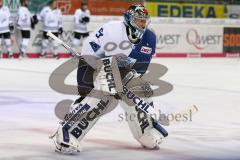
<point>136,18</point>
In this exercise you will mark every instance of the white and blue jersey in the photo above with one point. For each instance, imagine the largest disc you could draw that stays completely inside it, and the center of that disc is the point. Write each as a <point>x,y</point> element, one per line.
<point>143,52</point>
<point>111,39</point>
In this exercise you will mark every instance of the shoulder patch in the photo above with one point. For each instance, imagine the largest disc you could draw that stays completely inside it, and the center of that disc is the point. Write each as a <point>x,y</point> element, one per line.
<point>146,50</point>
<point>94,46</point>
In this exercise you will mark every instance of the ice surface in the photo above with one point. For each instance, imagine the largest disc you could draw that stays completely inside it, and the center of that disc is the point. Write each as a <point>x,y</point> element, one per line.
<point>27,114</point>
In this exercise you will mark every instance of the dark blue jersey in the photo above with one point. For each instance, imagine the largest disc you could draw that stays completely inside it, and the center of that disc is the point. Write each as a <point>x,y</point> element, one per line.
<point>144,51</point>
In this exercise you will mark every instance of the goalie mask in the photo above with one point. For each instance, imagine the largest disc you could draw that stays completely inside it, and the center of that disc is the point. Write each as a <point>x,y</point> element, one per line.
<point>136,18</point>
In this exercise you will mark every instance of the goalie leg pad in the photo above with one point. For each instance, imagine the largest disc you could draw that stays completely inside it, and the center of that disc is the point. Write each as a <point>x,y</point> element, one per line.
<point>142,128</point>
<point>69,135</point>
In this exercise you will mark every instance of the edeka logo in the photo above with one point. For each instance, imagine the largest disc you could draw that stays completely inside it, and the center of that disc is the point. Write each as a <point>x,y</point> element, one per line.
<point>231,40</point>
<point>200,41</point>
<point>179,10</point>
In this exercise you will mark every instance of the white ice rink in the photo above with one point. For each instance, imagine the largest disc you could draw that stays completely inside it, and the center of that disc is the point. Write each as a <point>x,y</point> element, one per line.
<point>27,114</point>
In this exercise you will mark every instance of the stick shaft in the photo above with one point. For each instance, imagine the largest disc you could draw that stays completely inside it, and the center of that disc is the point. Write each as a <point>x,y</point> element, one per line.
<point>62,43</point>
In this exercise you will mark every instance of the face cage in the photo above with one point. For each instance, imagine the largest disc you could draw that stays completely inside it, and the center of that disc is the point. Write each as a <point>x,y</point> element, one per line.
<point>133,23</point>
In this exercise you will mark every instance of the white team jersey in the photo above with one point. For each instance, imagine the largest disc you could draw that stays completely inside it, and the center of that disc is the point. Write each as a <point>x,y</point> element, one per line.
<point>80,26</point>
<point>23,18</point>
<point>4,19</point>
<point>51,19</point>
<point>109,40</point>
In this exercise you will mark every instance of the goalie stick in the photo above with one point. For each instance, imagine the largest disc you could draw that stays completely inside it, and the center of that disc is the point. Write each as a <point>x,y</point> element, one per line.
<point>147,108</point>
<point>62,43</point>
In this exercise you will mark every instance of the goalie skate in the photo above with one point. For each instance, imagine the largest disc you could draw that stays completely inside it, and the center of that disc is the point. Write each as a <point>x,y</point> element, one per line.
<point>65,143</point>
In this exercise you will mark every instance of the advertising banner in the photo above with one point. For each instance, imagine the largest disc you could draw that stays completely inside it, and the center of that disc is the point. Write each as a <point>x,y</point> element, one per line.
<point>191,39</point>
<point>186,10</point>
<point>107,7</point>
<point>231,40</point>
<point>174,38</point>
<point>97,7</point>
<point>35,6</point>
<point>68,7</point>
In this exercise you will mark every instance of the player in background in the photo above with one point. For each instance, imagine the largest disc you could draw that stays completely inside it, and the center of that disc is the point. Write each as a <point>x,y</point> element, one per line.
<point>25,21</point>
<point>51,18</point>
<point>81,19</point>
<point>6,26</point>
<point>132,38</point>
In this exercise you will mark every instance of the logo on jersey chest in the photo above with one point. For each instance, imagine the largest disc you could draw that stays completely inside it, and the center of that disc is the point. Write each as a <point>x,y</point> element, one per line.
<point>146,50</point>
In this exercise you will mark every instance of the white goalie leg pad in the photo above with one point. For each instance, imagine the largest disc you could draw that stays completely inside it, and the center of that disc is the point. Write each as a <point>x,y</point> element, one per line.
<point>141,126</point>
<point>69,135</point>
<point>88,119</point>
